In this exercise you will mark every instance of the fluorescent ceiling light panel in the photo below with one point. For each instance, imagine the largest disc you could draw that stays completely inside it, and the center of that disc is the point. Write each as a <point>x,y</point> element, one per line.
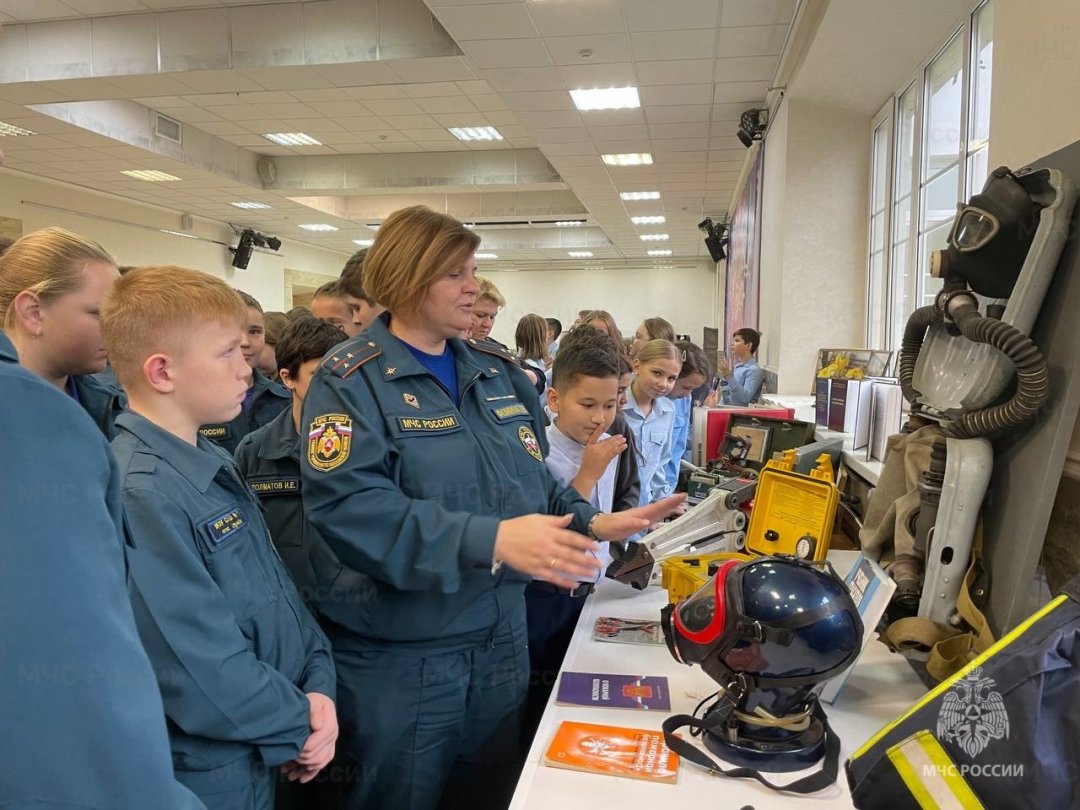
<point>639,195</point>
<point>150,175</point>
<point>606,98</point>
<point>319,226</point>
<point>487,255</point>
<point>659,252</point>
<point>569,223</point>
<point>654,237</point>
<point>12,131</point>
<point>250,206</point>
<point>364,242</point>
<point>291,139</point>
<point>655,220</point>
<point>628,159</point>
<point>476,133</point>
<point>580,254</point>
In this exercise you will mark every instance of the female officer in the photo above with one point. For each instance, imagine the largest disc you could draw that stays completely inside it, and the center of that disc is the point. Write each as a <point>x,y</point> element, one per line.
<point>424,471</point>
<point>52,282</point>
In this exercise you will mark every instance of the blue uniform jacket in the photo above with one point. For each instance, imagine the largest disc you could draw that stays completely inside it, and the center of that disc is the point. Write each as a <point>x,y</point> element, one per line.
<point>233,646</point>
<point>102,399</point>
<point>268,399</point>
<point>409,488</point>
<point>81,721</point>
<point>269,459</point>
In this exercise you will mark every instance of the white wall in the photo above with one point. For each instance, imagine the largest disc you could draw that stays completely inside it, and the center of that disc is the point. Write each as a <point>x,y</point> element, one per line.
<point>1032,107</point>
<point>1036,64</point>
<point>40,204</point>
<point>814,220</point>
<point>683,296</point>
<point>773,196</point>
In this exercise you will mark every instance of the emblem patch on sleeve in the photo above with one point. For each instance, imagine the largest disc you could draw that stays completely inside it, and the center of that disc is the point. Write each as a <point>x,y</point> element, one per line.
<point>329,440</point>
<point>529,442</point>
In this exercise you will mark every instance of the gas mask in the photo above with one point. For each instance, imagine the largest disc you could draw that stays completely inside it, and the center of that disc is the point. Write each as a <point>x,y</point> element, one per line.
<point>990,238</point>
<point>769,631</point>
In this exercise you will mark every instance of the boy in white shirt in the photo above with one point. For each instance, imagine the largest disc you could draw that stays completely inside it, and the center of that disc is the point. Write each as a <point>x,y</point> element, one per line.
<point>583,402</point>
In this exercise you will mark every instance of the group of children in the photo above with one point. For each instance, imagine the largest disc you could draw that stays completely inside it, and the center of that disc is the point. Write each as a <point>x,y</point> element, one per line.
<point>222,564</point>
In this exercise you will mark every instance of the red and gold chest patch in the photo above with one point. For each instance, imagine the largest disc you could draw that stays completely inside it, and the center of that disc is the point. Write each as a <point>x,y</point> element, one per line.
<point>329,440</point>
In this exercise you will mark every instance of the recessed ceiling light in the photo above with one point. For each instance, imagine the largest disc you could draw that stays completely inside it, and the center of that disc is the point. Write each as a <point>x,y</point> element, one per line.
<point>364,242</point>
<point>569,223</point>
<point>487,255</point>
<point>654,237</point>
<point>580,254</point>
<point>476,133</point>
<point>318,226</point>
<point>656,220</point>
<point>249,206</point>
<point>659,252</point>
<point>150,175</point>
<point>291,139</point>
<point>507,270</point>
<point>12,131</point>
<point>639,195</point>
<point>628,159</point>
<point>606,98</point>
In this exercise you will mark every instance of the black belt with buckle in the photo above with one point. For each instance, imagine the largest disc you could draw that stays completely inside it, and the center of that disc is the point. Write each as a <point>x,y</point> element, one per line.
<point>579,592</point>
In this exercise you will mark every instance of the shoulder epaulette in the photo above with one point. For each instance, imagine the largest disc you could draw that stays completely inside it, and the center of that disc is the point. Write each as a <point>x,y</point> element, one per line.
<point>348,357</point>
<point>493,348</point>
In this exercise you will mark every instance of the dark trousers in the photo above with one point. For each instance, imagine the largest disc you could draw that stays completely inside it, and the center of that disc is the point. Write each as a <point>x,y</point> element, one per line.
<point>551,619</point>
<point>426,729</point>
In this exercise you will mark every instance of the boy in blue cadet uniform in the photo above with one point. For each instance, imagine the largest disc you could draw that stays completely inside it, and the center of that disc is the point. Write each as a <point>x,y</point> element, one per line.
<point>424,472</point>
<point>695,370</point>
<point>583,398</point>
<point>264,400</point>
<point>741,384</point>
<point>80,710</point>
<point>269,458</point>
<point>52,283</point>
<point>244,670</point>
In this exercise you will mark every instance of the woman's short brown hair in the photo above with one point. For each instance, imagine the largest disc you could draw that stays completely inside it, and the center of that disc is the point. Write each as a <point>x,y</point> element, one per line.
<point>414,247</point>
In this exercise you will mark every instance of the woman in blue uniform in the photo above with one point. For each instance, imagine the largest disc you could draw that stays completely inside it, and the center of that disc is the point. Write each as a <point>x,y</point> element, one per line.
<point>424,472</point>
<point>52,283</point>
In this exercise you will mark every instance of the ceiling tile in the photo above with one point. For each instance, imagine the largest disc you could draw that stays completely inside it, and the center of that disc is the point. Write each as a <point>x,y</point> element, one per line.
<point>411,122</point>
<point>683,130</point>
<point>746,68</point>
<point>338,109</point>
<point>659,45</point>
<point>763,40</point>
<point>377,91</point>
<point>551,119</point>
<point>512,80</point>
<point>571,19</point>
<point>737,92</point>
<point>313,126</point>
<point>434,69</point>
<point>617,74</point>
<point>619,133</point>
<point>540,101</point>
<point>488,102</point>
<point>589,49</point>
<point>287,78</point>
<point>319,94</point>
<point>756,12</point>
<point>357,73</point>
<point>678,113</point>
<point>613,118</point>
<point>508,53</point>
<point>669,94</point>
<point>728,112</point>
<point>222,128</point>
<point>650,15</point>
<point>393,107</point>
<point>503,21</point>
<point>675,71</point>
<point>211,81</point>
<point>448,104</point>
<point>291,110</point>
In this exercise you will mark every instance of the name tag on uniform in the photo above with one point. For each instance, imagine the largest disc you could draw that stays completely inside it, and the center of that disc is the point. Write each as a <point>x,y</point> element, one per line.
<point>510,411</point>
<point>214,431</point>
<point>225,525</point>
<point>268,487</point>
<point>439,424</point>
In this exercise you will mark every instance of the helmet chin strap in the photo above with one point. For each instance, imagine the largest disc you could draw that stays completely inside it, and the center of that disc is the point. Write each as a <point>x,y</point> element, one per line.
<point>716,722</point>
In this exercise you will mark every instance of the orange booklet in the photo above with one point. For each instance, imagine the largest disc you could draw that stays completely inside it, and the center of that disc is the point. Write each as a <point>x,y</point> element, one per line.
<point>613,750</point>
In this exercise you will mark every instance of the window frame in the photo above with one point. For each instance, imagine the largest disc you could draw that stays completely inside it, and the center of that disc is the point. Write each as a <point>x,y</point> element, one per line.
<point>887,333</point>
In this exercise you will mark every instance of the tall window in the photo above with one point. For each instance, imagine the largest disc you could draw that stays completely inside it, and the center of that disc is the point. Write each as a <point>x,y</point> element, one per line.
<point>937,131</point>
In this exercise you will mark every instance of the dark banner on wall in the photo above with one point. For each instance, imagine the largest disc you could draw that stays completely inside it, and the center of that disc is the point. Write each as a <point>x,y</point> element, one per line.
<point>744,253</point>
